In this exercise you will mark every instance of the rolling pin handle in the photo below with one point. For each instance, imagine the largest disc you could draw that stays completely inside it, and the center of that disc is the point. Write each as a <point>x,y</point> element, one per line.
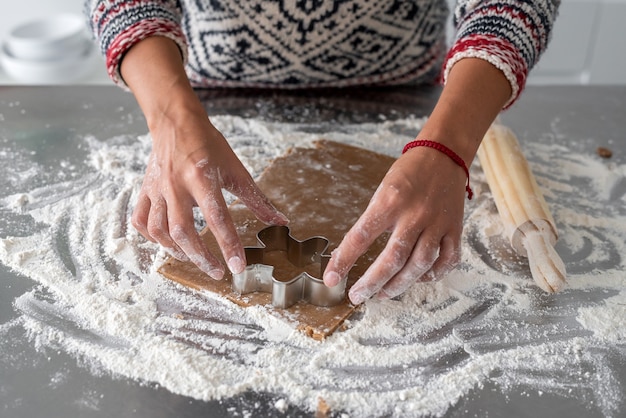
<point>546,266</point>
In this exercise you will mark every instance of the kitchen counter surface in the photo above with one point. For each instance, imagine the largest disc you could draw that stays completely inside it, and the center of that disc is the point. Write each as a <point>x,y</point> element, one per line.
<point>41,124</point>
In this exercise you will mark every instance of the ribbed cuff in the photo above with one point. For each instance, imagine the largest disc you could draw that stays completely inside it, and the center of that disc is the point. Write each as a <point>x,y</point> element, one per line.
<point>141,30</point>
<point>500,53</point>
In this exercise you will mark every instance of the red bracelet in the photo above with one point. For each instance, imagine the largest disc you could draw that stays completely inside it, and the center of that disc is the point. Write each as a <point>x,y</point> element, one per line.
<point>442,148</point>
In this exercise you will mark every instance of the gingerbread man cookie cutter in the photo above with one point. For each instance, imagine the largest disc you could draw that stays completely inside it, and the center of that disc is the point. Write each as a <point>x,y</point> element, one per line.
<point>258,275</point>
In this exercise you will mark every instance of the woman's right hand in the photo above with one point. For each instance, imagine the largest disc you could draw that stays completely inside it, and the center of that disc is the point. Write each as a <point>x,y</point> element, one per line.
<point>190,163</point>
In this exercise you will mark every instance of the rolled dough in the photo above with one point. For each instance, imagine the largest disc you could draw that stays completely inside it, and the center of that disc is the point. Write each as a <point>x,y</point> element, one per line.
<point>323,190</point>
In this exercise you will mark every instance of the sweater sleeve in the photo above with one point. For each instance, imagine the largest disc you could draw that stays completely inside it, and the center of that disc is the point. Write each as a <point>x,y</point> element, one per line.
<point>117,25</point>
<point>510,34</point>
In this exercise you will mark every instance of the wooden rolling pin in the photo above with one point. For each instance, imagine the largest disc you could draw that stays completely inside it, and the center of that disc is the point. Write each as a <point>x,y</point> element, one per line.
<point>522,207</point>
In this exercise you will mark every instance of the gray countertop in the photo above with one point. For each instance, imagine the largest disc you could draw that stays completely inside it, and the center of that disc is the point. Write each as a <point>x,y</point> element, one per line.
<point>42,123</point>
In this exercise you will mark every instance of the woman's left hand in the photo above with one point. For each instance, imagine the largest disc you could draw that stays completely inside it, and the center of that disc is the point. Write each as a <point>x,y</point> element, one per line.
<point>420,202</point>
<point>421,198</point>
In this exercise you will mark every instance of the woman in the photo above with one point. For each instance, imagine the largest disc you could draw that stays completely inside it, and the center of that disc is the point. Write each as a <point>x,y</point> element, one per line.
<point>162,49</point>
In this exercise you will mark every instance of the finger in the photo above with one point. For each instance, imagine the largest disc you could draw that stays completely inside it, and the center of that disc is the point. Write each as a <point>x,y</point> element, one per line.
<point>139,218</point>
<point>419,263</point>
<point>428,258</point>
<point>354,244</point>
<point>185,235</point>
<point>372,223</point>
<point>157,227</point>
<point>219,222</point>
<point>449,258</point>
<point>390,261</point>
<point>259,204</point>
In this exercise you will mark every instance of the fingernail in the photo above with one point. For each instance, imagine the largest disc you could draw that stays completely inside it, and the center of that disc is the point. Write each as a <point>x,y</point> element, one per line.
<point>216,274</point>
<point>331,278</point>
<point>236,265</point>
<point>356,297</point>
<point>281,218</point>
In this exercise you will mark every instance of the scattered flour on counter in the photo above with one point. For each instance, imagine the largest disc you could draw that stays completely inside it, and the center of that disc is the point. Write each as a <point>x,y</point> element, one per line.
<point>100,298</point>
<point>607,320</point>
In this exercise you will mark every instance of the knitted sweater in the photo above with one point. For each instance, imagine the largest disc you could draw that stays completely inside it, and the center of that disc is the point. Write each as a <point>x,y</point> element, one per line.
<point>321,43</point>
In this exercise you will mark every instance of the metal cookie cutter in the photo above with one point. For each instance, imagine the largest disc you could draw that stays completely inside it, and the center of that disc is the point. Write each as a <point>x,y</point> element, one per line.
<point>259,276</point>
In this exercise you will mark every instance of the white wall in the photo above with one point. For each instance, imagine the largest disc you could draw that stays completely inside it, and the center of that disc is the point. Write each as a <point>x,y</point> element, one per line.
<point>587,45</point>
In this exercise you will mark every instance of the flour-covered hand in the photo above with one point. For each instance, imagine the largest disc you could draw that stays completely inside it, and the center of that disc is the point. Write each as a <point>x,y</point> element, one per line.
<point>423,213</point>
<point>191,162</point>
<point>421,199</point>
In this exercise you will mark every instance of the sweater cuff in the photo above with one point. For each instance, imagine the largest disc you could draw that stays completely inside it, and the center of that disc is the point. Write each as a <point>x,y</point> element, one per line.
<point>500,53</point>
<point>141,30</point>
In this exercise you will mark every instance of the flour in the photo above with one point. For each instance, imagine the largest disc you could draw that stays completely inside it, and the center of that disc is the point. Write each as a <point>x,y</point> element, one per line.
<point>100,298</point>
<point>601,320</point>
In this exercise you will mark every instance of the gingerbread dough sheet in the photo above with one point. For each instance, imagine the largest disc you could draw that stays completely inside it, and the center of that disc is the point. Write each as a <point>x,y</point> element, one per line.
<point>322,190</point>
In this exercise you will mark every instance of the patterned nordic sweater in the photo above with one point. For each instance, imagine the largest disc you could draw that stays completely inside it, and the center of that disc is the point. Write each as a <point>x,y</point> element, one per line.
<point>321,43</point>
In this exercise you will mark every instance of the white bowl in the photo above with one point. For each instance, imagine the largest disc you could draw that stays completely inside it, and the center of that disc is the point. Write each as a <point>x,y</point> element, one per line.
<point>59,71</point>
<point>47,39</point>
